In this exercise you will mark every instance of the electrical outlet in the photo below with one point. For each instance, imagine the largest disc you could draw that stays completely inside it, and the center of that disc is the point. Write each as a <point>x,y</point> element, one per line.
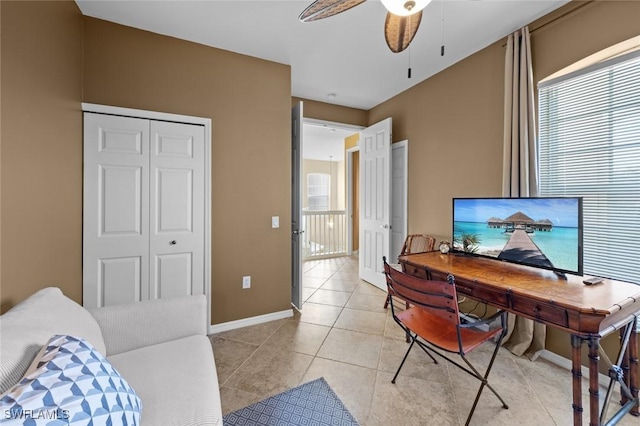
<point>275,221</point>
<point>246,281</point>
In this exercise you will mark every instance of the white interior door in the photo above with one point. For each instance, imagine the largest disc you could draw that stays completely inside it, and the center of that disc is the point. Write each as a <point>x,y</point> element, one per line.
<point>116,210</point>
<point>144,209</point>
<point>399,169</point>
<point>296,205</point>
<point>375,209</point>
<point>176,249</point>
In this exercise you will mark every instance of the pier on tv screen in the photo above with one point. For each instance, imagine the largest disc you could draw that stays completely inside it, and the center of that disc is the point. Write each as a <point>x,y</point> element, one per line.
<point>544,232</point>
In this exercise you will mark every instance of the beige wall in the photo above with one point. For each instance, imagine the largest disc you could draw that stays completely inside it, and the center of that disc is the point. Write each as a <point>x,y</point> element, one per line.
<point>249,102</point>
<point>52,60</point>
<point>329,112</point>
<point>454,120</point>
<point>41,165</point>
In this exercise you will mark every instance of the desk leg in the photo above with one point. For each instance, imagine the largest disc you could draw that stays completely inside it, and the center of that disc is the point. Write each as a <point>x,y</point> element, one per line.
<point>624,365</point>
<point>594,388</point>
<point>576,372</point>
<point>632,349</point>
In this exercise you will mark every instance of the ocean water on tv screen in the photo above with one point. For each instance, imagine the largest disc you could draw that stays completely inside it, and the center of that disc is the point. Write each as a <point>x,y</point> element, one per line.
<point>560,245</point>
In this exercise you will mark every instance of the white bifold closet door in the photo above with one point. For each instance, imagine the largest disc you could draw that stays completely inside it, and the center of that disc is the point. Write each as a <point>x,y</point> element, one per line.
<point>143,209</point>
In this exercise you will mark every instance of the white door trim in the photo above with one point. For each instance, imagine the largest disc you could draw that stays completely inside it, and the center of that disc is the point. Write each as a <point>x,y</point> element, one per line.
<point>297,227</point>
<point>206,122</point>
<point>349,155</point>
<point>342,126</point>
<point>405,192</point>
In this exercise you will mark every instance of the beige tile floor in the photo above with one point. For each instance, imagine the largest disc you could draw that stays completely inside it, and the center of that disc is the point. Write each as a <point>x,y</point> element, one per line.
<point>344,335</point>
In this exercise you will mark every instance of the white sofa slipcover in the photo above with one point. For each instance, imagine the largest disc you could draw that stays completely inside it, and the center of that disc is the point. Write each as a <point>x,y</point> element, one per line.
<point>160,347</point>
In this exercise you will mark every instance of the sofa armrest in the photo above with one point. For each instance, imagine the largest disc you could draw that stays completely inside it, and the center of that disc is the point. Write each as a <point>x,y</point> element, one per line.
<point>134,325</point>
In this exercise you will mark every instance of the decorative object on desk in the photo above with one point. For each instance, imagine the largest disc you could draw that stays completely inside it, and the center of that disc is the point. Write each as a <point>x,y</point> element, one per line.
<point>313,403</point>
<point>445,247</point>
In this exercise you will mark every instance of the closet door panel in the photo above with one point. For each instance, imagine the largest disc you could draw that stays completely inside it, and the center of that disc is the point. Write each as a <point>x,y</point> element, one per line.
<point>144,209</point>
<point>116,210</point>
<point>177,209</point>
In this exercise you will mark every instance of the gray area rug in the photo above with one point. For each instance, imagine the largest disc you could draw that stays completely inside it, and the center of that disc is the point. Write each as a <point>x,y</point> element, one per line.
<point>313,404</point>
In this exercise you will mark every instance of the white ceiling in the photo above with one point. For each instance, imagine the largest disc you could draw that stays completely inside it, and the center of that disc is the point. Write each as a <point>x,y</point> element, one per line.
<point>345,54</point>
<point>324,141</point>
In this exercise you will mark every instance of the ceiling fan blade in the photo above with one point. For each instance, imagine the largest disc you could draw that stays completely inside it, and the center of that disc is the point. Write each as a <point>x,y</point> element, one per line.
<point>400,30</point>
<point>324,8</point>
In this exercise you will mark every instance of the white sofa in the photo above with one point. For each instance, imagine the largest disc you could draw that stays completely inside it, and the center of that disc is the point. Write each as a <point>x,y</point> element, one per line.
<point>159,347</point>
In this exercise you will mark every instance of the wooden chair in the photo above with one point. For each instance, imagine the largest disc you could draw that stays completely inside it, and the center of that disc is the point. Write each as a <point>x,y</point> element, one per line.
<point>433,323</point>
<point>414,243</point>
<point>417,243</point>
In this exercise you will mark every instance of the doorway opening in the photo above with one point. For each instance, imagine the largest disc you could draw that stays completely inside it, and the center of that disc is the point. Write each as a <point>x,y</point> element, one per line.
<point>327,223</point>
<point>326,193</point>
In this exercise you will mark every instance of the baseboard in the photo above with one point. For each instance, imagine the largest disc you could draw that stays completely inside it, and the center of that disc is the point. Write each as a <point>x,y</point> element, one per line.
<point>245,322</point>
<point>565,363</point>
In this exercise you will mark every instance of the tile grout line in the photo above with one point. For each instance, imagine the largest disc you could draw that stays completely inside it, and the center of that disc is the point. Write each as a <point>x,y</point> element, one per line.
<point>326,336</point>
<point>250,356</point>
<point>332,327</point>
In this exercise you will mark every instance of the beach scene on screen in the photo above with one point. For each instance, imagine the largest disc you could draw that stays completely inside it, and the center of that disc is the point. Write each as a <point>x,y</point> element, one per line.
<point>537,231</point>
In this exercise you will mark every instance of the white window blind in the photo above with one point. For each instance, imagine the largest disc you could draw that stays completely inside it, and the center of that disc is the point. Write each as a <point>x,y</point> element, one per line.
<point>589,145</point>
<point>318,191</point>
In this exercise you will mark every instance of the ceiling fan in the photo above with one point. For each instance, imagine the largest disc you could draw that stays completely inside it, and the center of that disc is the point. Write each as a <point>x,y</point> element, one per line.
<point>401,25</point>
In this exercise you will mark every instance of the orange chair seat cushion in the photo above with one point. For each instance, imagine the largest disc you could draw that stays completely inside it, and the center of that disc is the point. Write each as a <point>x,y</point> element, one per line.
<point>442,332</point>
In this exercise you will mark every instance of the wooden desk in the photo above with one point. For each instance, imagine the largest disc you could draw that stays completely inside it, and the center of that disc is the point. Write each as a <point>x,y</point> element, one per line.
<point>588,313</point>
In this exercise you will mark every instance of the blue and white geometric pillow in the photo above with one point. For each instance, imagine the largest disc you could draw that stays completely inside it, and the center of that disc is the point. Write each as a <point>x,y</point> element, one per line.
<point>70,383</point>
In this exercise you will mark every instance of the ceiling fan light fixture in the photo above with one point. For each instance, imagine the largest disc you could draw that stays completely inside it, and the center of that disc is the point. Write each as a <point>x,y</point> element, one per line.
<point>405,7</point>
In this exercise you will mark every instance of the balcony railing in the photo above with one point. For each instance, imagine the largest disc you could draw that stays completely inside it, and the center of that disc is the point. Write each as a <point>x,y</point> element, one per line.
<point>325,234</point>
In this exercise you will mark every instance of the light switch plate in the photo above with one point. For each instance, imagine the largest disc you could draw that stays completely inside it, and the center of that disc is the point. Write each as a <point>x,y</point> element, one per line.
<point>275,221</point>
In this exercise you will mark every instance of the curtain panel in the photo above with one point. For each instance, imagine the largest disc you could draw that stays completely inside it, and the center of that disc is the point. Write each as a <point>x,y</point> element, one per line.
<point>520,166</point>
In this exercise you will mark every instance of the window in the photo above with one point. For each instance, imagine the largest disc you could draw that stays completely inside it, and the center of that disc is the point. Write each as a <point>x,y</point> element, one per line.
<point>589,146</point>
<point>318,191</point>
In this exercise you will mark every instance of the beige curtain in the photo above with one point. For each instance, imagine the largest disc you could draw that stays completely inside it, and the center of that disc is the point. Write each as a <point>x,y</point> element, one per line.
<point>520,166</point>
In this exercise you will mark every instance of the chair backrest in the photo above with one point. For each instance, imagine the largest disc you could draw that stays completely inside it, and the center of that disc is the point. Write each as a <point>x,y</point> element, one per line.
<point>417,243</point>
<point>437,297</point>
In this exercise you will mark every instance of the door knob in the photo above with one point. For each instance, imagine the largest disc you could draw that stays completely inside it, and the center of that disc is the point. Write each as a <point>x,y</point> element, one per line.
<point>173,242</point>
<point>297,232</point>
<point>385,226</point>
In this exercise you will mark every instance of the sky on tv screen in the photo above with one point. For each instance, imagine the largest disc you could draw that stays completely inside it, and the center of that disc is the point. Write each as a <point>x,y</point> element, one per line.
<point>561,212</point>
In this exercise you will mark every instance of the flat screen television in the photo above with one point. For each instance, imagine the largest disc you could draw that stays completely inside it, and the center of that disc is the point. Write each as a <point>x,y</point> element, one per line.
<point>544,232</point>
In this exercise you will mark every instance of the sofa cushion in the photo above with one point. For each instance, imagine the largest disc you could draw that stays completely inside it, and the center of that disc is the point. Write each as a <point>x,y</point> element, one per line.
<point>130,326</point>
<point>176,380</point>
<point>70,382</point>
<point>27,327</point>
